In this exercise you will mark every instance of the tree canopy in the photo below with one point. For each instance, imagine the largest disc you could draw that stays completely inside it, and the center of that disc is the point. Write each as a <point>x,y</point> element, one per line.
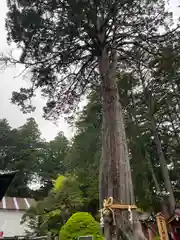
<point>61,42</point>
<point>24,150</point>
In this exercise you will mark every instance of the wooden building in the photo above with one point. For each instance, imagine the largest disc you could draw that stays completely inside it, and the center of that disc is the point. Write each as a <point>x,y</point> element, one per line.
<point>174,224</point>
<point>11,211</point>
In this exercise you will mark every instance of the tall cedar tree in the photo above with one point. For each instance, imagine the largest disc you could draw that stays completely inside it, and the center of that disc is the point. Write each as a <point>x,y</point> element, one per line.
<point>67,45</point>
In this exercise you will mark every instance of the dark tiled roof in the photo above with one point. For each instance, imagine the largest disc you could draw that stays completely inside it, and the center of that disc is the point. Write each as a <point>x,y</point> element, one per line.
<point>5,180</point>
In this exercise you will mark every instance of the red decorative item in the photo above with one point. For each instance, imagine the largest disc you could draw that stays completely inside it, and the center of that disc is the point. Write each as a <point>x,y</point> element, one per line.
<point>1,234</point>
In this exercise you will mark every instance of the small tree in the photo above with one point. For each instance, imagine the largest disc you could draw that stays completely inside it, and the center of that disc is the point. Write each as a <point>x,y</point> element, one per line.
<point>53,211</point>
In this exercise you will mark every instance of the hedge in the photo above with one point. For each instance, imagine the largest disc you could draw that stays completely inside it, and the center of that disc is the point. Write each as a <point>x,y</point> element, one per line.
<point>80,224</point>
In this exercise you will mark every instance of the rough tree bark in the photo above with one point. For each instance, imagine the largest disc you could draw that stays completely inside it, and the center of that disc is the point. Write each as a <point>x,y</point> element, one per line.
<point>164,169</point>
<point>151,169</point>
<point>115,172</point>
<point>163,163</point>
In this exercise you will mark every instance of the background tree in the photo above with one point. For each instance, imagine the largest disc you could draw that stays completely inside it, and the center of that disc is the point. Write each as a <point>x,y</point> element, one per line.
<point>84,154</point>
<point>25,157</point>
<point>52,161</point>
<point>156,112</point>
<point>87,146</point>
<point>7,146</point>
<point>22,149</point>
<point>85,150</point>
<point>143,149</point>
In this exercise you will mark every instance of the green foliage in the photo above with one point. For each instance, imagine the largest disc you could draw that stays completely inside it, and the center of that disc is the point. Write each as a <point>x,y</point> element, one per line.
<point>64,58</point>
<point>148,89</point>
<point>20,150</point>
<point>59,183</point>
<point>83,157</point>
<point>23,149</point>
<point>80,224</point>
<point>7,139</point>
<point>53,211</point>
<point>53,159</point>
<point>142,146</point>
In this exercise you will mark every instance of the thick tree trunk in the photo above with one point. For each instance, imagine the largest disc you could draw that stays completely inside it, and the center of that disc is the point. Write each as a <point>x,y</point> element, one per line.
<point>164,169</point>
<point>163,164</point>
<point>163,203</point>
<point>151,169</point>
<point>115,172</point>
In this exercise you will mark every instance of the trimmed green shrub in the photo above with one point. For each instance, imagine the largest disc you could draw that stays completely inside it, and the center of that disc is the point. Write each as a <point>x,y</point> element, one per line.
<point>80,224</point>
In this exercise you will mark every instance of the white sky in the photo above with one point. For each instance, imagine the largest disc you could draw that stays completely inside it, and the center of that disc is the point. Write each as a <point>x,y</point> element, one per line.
<point>9,84</point>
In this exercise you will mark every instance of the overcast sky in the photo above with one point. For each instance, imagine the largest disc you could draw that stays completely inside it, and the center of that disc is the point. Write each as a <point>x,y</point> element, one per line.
<point>8,84</point>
